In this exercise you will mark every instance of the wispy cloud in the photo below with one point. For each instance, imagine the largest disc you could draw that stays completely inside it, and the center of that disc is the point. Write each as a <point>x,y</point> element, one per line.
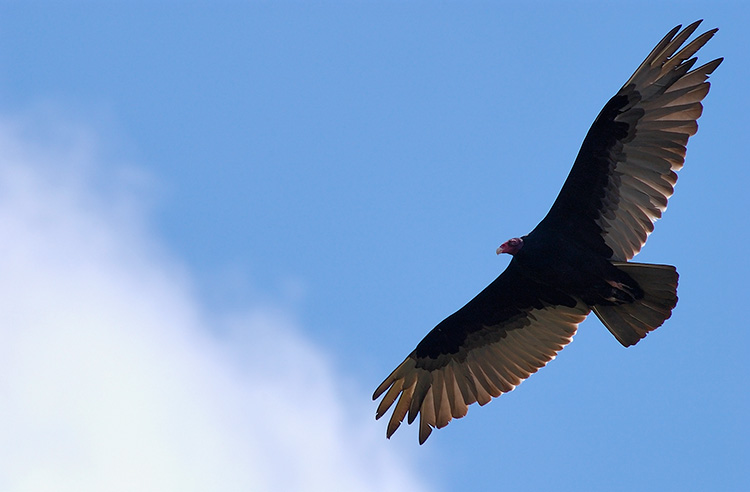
<point>113,376</point>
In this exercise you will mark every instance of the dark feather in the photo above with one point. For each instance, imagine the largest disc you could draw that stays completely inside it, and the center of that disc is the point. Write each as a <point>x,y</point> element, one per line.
<point>575,260</point>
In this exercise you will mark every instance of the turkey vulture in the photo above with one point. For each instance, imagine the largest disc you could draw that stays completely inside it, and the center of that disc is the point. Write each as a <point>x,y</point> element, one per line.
<point>576,259</point>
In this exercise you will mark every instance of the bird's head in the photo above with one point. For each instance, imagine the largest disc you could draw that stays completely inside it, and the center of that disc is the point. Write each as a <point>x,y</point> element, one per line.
<point>511,246</point>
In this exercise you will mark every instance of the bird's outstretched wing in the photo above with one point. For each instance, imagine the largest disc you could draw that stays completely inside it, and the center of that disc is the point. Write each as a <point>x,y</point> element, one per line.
<point>618,187</point>
<point>502,336</point>
<point>625,171</point>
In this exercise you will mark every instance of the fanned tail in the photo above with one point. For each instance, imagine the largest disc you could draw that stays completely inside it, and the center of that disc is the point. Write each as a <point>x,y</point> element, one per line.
<point>629,323</point>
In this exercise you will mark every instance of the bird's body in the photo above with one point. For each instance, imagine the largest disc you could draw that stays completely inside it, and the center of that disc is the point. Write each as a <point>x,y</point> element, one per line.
<point>576,259</point>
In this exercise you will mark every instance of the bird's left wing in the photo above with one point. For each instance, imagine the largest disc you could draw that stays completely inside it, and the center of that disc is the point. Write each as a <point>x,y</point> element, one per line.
<point>502,336</point>
<point>625,171</point>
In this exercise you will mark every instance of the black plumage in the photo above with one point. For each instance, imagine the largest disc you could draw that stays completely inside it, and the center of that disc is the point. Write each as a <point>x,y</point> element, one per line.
<point>576,259</point>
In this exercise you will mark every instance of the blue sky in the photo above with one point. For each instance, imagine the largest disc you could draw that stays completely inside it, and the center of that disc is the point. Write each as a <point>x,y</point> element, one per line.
<point>226,223</point>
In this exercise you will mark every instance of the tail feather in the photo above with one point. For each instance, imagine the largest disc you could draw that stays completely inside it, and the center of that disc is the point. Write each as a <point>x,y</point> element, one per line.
<point>629,323</point>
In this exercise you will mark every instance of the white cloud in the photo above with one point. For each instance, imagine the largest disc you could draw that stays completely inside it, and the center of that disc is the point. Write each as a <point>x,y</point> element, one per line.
<point>114,377</point>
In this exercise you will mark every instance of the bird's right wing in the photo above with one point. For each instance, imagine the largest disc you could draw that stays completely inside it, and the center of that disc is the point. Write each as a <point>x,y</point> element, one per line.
<point>502,336</point>
<point>625,171</point>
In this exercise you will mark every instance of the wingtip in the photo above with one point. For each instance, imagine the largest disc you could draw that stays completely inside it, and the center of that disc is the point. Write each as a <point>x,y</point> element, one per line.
<point>671,34</point>
<point>391,429</point>
<point>709,67</point>
<point>690,28</point>
<point>384,386</point>
<point>380,389</point>
<point>708,34</point>
<point>424,432</point>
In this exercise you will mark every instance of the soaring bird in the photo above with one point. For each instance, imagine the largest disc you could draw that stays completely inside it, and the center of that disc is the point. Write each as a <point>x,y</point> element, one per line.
<point>576,259</point>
